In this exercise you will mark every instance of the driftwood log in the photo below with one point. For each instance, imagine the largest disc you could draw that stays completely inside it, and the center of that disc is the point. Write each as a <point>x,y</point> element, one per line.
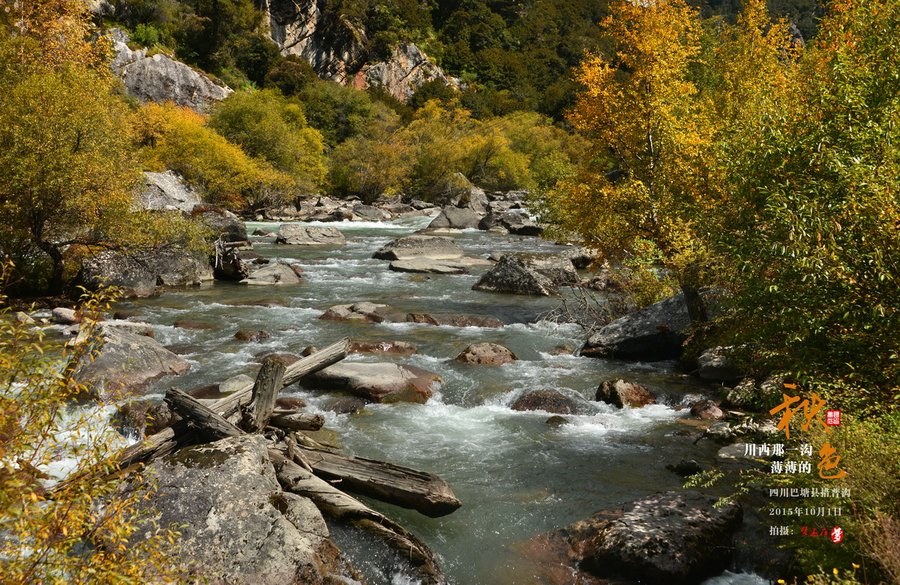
<point>164,442</point>
<point>328,499</point>
<point>394,484</point>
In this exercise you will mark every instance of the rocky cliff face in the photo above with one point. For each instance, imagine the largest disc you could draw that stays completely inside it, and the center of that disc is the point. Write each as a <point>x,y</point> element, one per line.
<point>401,75</point>
<point>158,78</point>
<point>336,48</point>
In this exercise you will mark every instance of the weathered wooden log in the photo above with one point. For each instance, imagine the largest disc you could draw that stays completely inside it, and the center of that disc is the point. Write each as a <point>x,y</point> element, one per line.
<point>340,506</point>
<point>408,488</point>
<point>200,417</point>
<point>332,354</point>
<point>255,415</point>
<point>298,421</point>
<point>150,448</point>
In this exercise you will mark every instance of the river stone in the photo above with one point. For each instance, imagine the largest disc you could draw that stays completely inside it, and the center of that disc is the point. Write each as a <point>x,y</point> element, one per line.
<point>222,222</point>
<point>24,318</point>
<point>138,274</point>
<point>300,235</point>
<point>455,218</point>
<point>389,347</point>
<point>707,410</point>
<point>135,327</point>
<point>432,247</point>
<point>621,393</point>
<point>65,316</point>
<point>675,538</point>
<point>126,362</point>
<point>364,311</point>
<point>515,221</point>
<point>251,335</point>
<point>167,192</point>
<point>490,354</point>
<point>455,320</point>
<point>274,273</point>
<point>549,400</point>
<point>236,524</point>
<point>378,382</point>
<point>141,418</point>
<point>427,265</point>
<point>715,364</point>
<point>513,275</point>
<point>653,333</point>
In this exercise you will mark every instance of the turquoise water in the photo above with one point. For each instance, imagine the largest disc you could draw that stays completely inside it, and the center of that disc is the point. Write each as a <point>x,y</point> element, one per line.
<point>516,476</point>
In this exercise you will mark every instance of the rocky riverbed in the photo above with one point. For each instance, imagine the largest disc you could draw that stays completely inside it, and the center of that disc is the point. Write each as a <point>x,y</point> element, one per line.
<point>468,382</point>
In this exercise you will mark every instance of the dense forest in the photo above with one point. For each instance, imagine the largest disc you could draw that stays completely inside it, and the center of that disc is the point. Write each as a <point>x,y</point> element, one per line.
<point>733,145</point>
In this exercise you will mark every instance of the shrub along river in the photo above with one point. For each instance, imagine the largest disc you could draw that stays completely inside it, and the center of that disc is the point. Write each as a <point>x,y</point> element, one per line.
<point>516,475</point>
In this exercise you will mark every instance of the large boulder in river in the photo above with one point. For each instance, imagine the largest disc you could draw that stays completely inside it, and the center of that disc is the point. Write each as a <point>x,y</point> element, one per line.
<point>514,276</point>
<point>271,274</point>
<point>300,235</point>
<point>549,400</point>
<point>653,333</point>
<point>433,247</point>
<point>222,222</point>
<point>138,274</point>
<point>621,393</point>
<point>429,266</point>
<point>159,78</point>
<point>490,354</point>
<point>167,192</point>
<point>127,362</point>
<point>676,538</point>
<point>378,382</point>
<point>515,221</point>
<point>455,218</point>
<point>236,525</point>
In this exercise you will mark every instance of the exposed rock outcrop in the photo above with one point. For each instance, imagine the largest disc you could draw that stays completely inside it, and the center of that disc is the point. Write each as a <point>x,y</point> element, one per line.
<point>236,524</point>
<point>139,274</point>
<point>159,78</point>
<point>378,382</point>
<point>167,192</point>
<point>407,69</point>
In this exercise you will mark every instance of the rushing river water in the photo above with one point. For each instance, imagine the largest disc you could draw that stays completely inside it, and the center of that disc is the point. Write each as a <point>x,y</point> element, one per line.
<point>516,475</point>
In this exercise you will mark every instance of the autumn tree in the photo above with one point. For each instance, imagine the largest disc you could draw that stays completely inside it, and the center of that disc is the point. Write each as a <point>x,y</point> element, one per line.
<point>654,178</point>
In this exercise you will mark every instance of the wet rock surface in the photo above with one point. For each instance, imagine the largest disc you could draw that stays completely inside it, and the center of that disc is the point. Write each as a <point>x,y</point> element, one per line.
<point>490,354</point>
<point>237,525</point>
<point>378,382</point>
<point>621,393</point>
<point>674,537</point>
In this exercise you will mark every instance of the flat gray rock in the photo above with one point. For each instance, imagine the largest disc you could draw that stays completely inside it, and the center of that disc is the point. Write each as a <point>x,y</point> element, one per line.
<point>378,382</point>
<point>300,235</point>
<point>272,274</point>
<point>167,192</point>
<point>430,247</point>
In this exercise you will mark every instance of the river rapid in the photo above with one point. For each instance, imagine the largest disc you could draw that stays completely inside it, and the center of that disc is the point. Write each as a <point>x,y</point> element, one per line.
<point>516,475</point>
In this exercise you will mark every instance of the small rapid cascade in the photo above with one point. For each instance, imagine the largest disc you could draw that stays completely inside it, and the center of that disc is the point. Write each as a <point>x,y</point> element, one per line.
<point>516,475</point>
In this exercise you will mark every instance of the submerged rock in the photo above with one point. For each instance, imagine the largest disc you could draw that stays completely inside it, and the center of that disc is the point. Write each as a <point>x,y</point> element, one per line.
<point>621,393</point>
<point>378,382</point>
<point>490,354</point>
<point>675,538</point>
<point>431,247</point>
<point>365,312</point>
<point>301,235</point>
<point>236,524</point>
<point>388,347</point>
